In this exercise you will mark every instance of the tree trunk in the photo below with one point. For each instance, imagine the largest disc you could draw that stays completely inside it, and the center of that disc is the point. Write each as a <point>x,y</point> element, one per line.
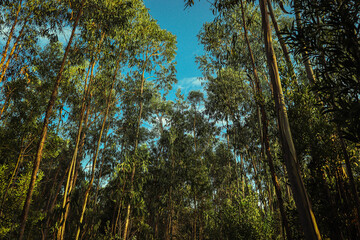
<point>258,184</point>
<point>96,154</point>
<point>302,201</point>
<point>136,145</point>
<point>100,170</point>
<point>282,43</point>
<point>7,45</point>
<point>52,205</point>
<point>352,181</point>
<point>128,209</point>
<point>71,175</point>
<point>309,71</point>
<point>117,230</point>
<point>40,148</point>
<point>265,136</point>
<point>18,162</point>
<point>5,67</point>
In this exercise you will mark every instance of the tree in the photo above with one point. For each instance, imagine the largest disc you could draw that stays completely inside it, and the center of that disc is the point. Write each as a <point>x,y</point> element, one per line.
<point>45,127</point>
<point>300,195</point>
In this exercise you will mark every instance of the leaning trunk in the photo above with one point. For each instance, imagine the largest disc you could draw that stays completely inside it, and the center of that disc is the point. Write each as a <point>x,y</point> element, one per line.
<point>282,43</point>
<point>13,49</point>
<point>71,175</point>
<point>302,201</point>
<point>136,145</point>
<point>40,148</point>
<point>265,136</point>
<point>6,48</point>
<point>309,71</point>
<point>96,154</point>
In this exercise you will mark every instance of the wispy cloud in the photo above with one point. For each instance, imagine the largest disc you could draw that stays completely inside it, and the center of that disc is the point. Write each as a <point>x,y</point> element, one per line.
<point>189,84</point>
<point>192,81</point>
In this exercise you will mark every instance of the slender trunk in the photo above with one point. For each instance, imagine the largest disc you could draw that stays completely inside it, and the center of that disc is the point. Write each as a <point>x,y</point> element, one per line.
<point>136,145</point>
<point>87,192</point>
<point>49,189</point>
<point>270,198</point>
<point>100,169</point>
<point>242,175</point>
<point>82,141</point>
<point>18,162</point>
<point>195,218</point>
<point>282,43</point>
<point>302,201</point>
<point>128,209</point>
<point>71,175</point>
<point>120,203</point>
<point>171,187</point>
<point>309,71</point>
<point>119,211</point>
<point>40,149</point>
<point>97,152</point>
<point>12,30</point>
<point>51,208</point>
<point>351,178</point>
<point>194,129</point>
<point>7,100</point>
<point>117,230</point>
<point>258,184</point>
<point>265,136</point>
<point>5,67</point>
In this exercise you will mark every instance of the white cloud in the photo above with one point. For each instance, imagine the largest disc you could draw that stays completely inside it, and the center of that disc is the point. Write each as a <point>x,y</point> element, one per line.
<point>189,84</point>
<point>193,81</point>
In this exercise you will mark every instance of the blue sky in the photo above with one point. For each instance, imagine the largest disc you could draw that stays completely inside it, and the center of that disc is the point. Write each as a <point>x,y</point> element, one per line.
<point>185,24</point>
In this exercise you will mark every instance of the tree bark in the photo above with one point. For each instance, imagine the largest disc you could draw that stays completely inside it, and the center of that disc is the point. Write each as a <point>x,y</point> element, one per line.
<point>7,45</point>
<point>14,47</point>
<point>351,178</point>
<point>71,175</point>
<point>40,148</point>
<point>18,162</point>
<point>96,153</point>
<point>302,201</point>
<point>282,43</point>
<point>309,71</point>
<point>136,146</point>
<point>52,205</point>
<point>265,136</point>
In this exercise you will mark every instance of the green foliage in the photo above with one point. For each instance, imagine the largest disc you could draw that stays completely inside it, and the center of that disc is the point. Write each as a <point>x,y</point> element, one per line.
<point>189,168</point>
<point>330,36</point>
<point>11,205</point>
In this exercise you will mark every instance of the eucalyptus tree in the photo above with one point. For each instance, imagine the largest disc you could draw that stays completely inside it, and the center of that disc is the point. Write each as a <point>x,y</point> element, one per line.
<point>264,123</point>
<point>152,58</point>
<point>229,84</point>
<point>23,119</point>
<point>331,43</point>
<point>46,123</point>
<point>107,39</point>
<point>108,104</point>
<point>26,18</point>
<point>23,24</point>
<point>183,172</point>
<point>300,195</point>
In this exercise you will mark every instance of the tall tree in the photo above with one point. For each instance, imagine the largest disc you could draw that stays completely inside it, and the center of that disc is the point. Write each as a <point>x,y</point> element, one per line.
<point>46,123</point>
<point>300,195</point>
